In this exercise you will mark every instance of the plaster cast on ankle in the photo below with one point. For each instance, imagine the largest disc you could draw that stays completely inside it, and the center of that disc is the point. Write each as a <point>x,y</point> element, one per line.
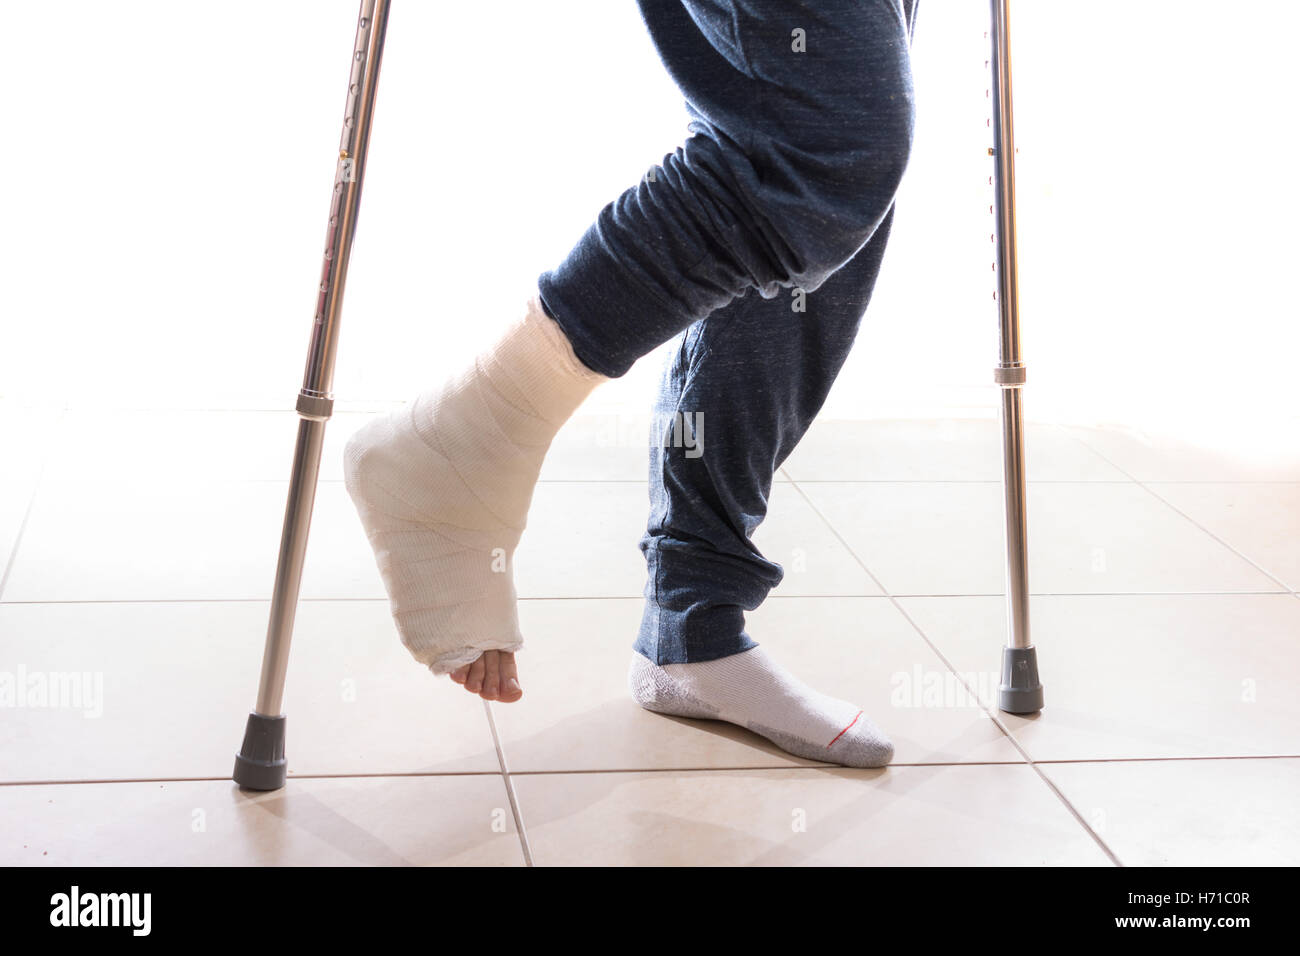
<point>752,690</point>
<point>443,488</point>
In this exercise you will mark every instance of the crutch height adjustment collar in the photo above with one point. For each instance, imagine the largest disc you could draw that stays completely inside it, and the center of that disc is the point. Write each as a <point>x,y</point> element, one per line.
<point>315,407</point>
<point>1009,376</point>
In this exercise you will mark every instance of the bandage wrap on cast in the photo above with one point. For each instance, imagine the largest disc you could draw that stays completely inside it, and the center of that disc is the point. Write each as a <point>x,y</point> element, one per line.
<point>443,488</point>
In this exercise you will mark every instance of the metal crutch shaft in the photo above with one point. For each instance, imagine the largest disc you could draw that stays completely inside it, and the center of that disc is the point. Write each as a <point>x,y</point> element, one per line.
<point>1019,691</point>
<point>261,763</point>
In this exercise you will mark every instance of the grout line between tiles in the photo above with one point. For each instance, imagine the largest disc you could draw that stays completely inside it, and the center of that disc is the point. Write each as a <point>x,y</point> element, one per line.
<point>124,478</point>
<point>1199,481</point>
<point>995,717</point>
<point>956,481</point>
<point>637,597</point>
<point>761,768</point>
<point>55,427</point>
<point>1068,805</point>
<point>510,787</point>
<point>1145,486</point>
<point>1072,760</point>
<point>18,538</point>
<point>226,777</point>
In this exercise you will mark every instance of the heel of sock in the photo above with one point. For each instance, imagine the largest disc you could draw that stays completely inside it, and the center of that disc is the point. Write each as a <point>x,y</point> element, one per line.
<point>657,691</point>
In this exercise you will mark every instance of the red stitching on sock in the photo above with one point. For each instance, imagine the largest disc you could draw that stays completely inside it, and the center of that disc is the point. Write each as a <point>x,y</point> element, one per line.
<point>845,730</point>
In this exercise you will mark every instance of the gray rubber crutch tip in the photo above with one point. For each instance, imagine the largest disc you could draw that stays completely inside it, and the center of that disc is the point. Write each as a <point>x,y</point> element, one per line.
<point>1020,691</point>
<point>260,763</point>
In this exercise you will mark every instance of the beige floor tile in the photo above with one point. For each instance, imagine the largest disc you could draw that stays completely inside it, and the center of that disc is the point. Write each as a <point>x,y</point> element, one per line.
<point>1152,457</point>
<point>946,538</point>
<point>29,433</point>
<point>582,541</point>
<point>94,444</point>
<point>197,446</point>
<point>1189,812</point>
<point>577,715</point>
<point>142,540</point>
<point>349,821</point>
<point>26,436</point>
<point>170,686</point>
<point>608,446</point>
<point>1186,675</point>
<point>910,816</point>
<point>131,540</point>
<point>15,496</point>
<point>862,649</point>
<point>170,540</point>
<point>1260,520</point>
<point>599,448</point>
<point>951,450</point>
<point>815,561</point>
<point>258,445</point>
<point>164,537</point>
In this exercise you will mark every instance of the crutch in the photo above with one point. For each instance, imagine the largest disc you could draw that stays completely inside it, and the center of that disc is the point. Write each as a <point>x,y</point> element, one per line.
<point>1019,691</point>
<point>260,763</point>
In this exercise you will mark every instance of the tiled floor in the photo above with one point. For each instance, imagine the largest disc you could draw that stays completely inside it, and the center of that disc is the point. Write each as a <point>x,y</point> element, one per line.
<point>138,550</point>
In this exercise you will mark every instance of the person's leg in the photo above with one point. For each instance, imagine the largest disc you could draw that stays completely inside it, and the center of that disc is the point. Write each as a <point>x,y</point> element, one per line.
<point>757,371</point>
<point>792,164</point>
<point>739,390</point>
<point>801,129</point>
<point>743,385</point>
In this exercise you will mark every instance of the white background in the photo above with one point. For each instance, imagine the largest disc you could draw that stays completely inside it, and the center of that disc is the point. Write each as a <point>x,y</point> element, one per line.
<point>169,166</point>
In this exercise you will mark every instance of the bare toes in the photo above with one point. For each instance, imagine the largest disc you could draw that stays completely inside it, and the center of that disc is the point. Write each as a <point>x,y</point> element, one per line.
<point>510,690</point>
<point>491,675</point>
<point>474,682</point>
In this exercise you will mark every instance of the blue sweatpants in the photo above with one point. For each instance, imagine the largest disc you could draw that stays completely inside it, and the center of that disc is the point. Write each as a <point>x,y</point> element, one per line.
<point>756,244</point>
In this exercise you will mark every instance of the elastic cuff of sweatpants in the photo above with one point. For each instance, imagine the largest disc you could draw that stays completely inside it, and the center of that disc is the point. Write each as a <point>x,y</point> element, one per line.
<point>696,602</point>
<point>692,636</point>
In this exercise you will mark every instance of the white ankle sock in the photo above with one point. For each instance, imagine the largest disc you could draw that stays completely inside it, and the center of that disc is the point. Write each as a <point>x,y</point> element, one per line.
<point>752,690</point>
<point>443,488</point>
